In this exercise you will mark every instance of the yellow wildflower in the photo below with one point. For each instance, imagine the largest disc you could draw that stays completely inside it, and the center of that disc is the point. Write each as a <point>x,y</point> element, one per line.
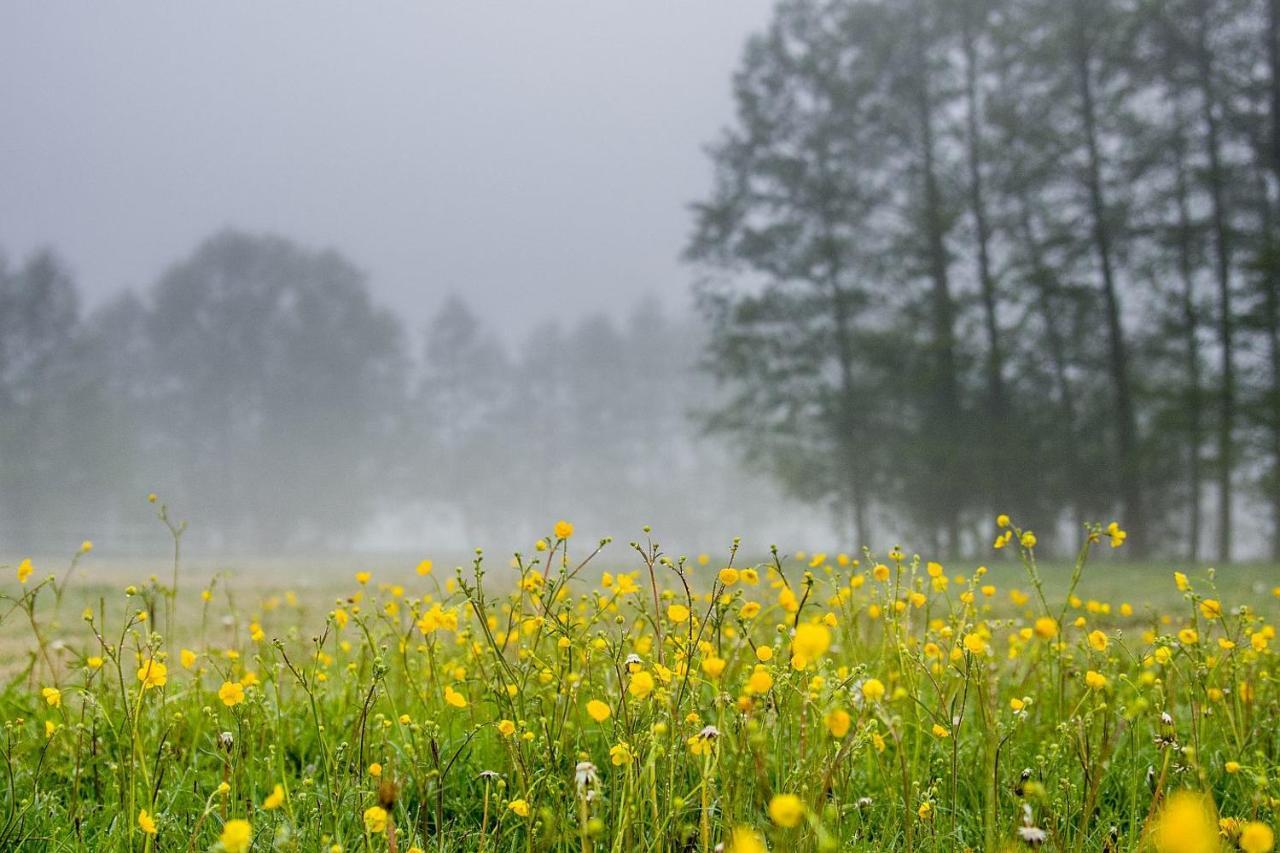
<point>231,693</point>
<point>153,674</point>
<point>620,754</point>
<point>760,681</point>
<point>236,836</point>
<point>275,799</point>
<point>641,685</point>
<point>375,820</point>
<point>811,640</point>
<point>786,810</point>
<point>1256,837</point>
<point>746,840</point>
<point>1186,825</point>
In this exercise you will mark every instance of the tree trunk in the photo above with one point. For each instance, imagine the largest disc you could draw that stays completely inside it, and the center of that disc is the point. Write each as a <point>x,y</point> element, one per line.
<point>1222,264</point>
<point>1271,323</point>
<point>1190,324</point>
<point>1190,319</point>
<point>997,405</point>
<point>1043,280</point>
<point>848,434</point>
<point>1128,464</point>
<point>1272,270</point>
<point>1273,62</point>
<point>945,420</point>
<point>847,439</point>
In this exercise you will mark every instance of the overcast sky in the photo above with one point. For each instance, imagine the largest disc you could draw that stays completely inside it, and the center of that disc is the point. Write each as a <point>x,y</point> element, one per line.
<point>535,155</point>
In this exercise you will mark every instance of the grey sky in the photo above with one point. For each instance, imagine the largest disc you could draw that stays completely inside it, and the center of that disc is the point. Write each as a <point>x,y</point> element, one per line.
<point>535,155</point>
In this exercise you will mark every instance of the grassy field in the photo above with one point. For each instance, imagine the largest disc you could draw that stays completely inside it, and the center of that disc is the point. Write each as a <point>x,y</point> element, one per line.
<point>601,698</point>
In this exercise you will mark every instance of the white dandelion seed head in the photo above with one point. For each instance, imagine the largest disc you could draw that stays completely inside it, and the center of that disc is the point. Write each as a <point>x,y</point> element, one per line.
<point>1033,835</point>
<point>585,774</point>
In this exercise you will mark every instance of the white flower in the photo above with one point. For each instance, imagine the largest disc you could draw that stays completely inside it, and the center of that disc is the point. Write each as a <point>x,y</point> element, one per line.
<point>1033,835</point>
<point>1029,832</point>
<point>585,775</point>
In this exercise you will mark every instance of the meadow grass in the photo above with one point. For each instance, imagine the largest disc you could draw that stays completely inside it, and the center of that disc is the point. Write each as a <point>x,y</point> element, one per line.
<point>610,697</point>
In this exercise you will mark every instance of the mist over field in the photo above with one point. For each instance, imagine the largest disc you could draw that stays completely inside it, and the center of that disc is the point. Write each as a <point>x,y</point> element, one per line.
<point>840,273</point>
<point>385,386</point>
<point>498,191</point>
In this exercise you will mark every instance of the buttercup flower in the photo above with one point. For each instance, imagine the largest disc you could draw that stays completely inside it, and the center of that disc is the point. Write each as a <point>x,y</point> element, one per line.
<point>236,836</point>
<point>153,674</point>
<point>375,820</point>
<point>231,693</point>
<point>786,810</point>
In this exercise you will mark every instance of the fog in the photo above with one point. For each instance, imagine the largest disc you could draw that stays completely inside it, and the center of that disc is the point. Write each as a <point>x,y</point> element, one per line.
<point>829,273</point>
<point>536,156</point>
<point>534,159</point>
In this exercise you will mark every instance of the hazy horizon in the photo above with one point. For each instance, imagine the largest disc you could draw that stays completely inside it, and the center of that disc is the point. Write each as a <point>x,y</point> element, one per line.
<point>134,132</point>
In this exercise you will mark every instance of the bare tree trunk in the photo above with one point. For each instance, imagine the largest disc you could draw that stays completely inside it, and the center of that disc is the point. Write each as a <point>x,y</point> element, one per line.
<point>1271,322</point>
<point>1195,439</point>
<point>1273,62</point>
<point>945,420</point>
<point>997,403</point>
<point>1042,278</point>
<point>847,440</point>
<point>1190,320</point>
<point>1129,465</point>
<point>1222,258</point>
<point>1272,272</point>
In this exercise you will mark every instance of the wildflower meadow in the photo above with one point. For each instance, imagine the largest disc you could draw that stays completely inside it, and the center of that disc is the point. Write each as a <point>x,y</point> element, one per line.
<point>596,697</point>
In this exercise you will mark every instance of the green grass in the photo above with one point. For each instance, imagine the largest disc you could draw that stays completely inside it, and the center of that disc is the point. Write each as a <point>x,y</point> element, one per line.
<point>403,673</point>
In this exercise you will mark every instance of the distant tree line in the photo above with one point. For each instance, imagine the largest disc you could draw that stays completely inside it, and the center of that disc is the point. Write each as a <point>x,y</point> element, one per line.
<point>260,390</point>
<point>963,256</point>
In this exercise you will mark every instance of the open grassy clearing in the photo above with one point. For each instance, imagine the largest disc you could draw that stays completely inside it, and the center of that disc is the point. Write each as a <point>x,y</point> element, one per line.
<point>614,698</point>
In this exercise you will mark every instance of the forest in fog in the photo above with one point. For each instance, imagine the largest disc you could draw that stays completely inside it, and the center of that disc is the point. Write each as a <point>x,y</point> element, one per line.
<point>955,256</point>
<point>1007,253</point>
<point>262,392</point>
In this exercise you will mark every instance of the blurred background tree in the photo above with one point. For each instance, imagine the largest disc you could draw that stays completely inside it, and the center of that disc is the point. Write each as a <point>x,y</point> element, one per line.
<point>957,257</point>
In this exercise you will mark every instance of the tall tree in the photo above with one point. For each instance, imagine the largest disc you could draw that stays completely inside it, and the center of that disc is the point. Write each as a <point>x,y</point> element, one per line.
<point>1086,22</point>
<point>796,185</point>
<point>973,23</point>
<point>1215,178</point>
<point>459,398</point>
<point>914,83</point>
<point>271,357</point>
<point>39,317</point>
